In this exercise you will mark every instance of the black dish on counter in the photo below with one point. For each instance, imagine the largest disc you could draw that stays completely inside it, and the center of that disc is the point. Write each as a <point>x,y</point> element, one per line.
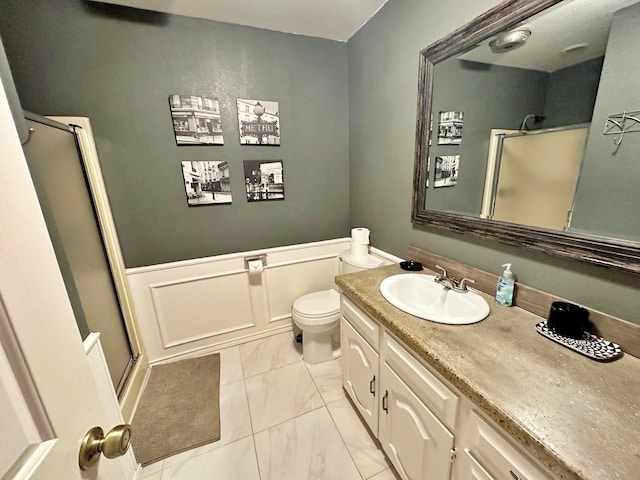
<point>411,266</point>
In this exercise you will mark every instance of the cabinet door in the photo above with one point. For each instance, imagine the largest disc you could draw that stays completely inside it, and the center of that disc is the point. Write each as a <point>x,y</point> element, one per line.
<point>469,468</point>
<point>360,373</point>
<point>416,442</point>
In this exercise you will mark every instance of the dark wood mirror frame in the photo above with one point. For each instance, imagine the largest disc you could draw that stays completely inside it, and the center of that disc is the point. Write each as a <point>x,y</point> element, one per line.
<point>607,252</point>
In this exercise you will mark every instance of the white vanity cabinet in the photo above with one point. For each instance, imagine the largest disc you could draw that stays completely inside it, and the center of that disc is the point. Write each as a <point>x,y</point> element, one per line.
<point>360,361</point>
<point>428,430</point>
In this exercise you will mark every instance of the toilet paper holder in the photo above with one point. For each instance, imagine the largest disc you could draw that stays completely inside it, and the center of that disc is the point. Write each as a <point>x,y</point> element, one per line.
<point>262,258</point>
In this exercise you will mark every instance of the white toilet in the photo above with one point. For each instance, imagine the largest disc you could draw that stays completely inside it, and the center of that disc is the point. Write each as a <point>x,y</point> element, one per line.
<point>317,314</point>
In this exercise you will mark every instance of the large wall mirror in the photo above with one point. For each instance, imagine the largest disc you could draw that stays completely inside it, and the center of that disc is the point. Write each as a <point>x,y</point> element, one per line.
<point>528,130</point>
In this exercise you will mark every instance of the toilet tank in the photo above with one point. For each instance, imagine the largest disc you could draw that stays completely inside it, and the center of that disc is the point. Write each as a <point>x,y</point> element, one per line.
<point>351,264</point>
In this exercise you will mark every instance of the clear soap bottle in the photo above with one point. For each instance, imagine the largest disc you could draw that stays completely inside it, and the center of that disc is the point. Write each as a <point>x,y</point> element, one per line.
<point>506,283</point>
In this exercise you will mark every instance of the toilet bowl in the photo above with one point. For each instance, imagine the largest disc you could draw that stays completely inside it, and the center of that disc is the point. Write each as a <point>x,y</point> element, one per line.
<point>317,314</point>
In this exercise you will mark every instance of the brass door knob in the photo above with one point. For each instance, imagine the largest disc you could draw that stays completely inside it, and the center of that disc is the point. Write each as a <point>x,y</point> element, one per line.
<point>114,444</point>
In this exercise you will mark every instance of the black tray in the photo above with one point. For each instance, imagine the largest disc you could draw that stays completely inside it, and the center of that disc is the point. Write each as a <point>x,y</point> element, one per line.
<point>411,265</point>
<point>589,345</point>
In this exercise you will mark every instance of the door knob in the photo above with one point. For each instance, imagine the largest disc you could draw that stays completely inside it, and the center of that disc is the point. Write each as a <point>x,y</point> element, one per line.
<point>114,444</point>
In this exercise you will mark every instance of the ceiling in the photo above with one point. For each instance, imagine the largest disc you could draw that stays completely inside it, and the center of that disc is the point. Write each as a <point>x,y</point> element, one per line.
<point>332,19</point>
<point>571,23</point>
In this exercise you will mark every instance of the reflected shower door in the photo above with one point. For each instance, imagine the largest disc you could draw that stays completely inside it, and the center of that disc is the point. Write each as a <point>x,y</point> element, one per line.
<point>537,178</point>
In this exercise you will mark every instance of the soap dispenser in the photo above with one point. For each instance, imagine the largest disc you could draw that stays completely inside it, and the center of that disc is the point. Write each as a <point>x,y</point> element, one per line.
<point>506,283</point>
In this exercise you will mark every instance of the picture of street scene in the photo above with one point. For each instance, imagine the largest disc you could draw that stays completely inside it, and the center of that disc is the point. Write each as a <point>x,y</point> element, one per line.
<point>447,169</point>
<point>259,122</point>
<point>196,120</point>
<point>206,182</point>
<point>450,128</point>
<point>264,180</point>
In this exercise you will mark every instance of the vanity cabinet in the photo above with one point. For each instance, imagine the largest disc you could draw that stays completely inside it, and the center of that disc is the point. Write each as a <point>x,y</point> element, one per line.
<point>427,429</point>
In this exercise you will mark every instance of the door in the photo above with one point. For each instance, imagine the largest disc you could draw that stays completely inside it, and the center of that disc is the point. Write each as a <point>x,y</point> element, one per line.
<point>57,172</point>
<point>48,398</point>
<point>418,445</point>
<point>537,178</point>
<point>360,374</point>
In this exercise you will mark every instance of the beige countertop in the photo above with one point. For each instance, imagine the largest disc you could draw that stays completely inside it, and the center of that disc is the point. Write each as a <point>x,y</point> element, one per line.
<point>577,416</point>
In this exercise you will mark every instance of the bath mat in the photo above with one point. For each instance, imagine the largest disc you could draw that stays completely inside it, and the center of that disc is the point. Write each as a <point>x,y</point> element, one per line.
<point>179,409</point>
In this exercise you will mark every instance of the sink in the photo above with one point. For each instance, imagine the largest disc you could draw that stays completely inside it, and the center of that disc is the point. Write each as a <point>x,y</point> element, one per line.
<point>420,295</point>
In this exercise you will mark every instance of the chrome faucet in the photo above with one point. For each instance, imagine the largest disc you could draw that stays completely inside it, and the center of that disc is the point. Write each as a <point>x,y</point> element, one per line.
<point>445,280</point>
<point>451,283</point>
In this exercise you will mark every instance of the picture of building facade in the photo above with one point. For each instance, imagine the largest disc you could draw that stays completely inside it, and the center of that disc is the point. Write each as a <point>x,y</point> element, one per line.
<point>196,120</point>
<point>206,182</point>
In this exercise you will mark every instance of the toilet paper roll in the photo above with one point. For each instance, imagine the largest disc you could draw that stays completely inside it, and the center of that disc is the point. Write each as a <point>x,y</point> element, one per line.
<point>359,250</point>
<point>255,267</point>
<point>360,235</point>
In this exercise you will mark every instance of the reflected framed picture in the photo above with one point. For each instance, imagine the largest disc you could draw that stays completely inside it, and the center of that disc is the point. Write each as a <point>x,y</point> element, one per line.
<point>450,128</point>
<point>447,170</point>
<point>206,182</point>
<point>264,180</point>
<point>196,120</point>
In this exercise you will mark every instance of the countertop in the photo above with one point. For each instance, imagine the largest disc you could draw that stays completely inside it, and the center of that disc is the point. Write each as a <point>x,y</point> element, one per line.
<point>577,416</point>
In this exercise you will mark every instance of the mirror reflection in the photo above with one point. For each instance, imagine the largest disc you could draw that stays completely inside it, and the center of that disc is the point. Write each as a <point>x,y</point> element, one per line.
<point>536,125</point>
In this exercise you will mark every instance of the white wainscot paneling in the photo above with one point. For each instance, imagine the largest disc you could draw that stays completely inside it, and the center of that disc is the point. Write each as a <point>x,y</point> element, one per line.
<point>197,308</point>
<point>202,305</point>
<point>289,281</point>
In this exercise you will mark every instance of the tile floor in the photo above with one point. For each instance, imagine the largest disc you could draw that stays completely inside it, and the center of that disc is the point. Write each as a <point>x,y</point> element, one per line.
<point>281,419</point>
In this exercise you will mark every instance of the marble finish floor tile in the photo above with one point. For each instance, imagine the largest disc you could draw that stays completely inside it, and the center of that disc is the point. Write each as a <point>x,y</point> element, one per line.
<point>230,365</point>
<point>280,395</point>
<point>366,454</point>
<point>268,353</point>
<point>307,447</point>
<point>387,474</point>
<point>328,378</point>
<point>235,461</point>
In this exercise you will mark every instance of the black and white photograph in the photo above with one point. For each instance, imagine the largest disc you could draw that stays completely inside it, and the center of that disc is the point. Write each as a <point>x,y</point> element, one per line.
<point>264,180</point>
<point>196,120</point>
<point>428,171</point>
<point>447,169</point>
<point>450,128</point>
<point>206,182</point>
<point>259,122</point>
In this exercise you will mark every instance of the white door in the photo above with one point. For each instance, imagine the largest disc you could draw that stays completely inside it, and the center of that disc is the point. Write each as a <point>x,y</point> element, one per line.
<point>48,398</point>
<point>418,445</point>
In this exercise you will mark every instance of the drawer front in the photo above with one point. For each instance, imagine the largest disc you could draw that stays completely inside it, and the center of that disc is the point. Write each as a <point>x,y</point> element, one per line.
<point>471,469</point>
<point>435,395</point>
<point>364,325</point>
<point>497,455</point>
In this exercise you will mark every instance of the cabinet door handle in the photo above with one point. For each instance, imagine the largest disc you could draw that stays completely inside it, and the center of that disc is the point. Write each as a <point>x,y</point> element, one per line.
<point>385,400</point>
<point>372,386</point>
<point>513,475</point>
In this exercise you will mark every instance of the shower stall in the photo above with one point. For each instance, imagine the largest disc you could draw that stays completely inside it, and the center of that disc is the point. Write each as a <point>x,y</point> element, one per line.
<point>532,175</point>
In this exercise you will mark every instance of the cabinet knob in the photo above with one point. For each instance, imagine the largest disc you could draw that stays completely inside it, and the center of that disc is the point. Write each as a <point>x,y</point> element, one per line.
<point>385,402</point>
<point>513,475</point>
<point>372,386</point>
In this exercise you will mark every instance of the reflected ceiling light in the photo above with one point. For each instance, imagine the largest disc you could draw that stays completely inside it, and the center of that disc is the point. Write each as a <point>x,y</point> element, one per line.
<point>510,40</point>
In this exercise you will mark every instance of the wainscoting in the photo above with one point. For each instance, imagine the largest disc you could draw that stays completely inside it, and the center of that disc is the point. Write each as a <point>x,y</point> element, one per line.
<point>191,307</point>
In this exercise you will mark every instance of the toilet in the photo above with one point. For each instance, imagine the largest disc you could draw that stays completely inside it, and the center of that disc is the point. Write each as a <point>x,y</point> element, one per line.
<point>317,314</point>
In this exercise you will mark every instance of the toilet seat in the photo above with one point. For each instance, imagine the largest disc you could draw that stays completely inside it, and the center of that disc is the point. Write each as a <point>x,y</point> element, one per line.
<point>317,305</point>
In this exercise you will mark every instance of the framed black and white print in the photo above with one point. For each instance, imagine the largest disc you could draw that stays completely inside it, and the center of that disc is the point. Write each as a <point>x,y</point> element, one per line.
<point>450,128</point>
<point>264,180</point>
<point>196,120</point>
<point>447,170</point>
<point>259,122</point>
<point>206,182</point>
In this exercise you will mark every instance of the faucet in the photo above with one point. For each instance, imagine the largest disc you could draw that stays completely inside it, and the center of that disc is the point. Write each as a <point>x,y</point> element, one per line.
<point>450,283</point>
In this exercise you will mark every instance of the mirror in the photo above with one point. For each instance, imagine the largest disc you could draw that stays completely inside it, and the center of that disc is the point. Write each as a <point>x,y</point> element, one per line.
<point>526,130</point>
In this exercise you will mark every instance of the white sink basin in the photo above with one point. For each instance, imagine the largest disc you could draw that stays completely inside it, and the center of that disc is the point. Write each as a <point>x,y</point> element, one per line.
<point>420,295</point>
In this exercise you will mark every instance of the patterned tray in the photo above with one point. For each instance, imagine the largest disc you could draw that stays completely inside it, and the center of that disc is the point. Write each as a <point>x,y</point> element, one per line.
<point>589,345</point>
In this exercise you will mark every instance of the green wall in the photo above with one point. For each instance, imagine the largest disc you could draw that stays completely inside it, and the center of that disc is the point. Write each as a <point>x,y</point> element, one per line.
<point>490,96</point>
<point>383,73</point>
<point>608,194</point>
<point>118,66</point>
